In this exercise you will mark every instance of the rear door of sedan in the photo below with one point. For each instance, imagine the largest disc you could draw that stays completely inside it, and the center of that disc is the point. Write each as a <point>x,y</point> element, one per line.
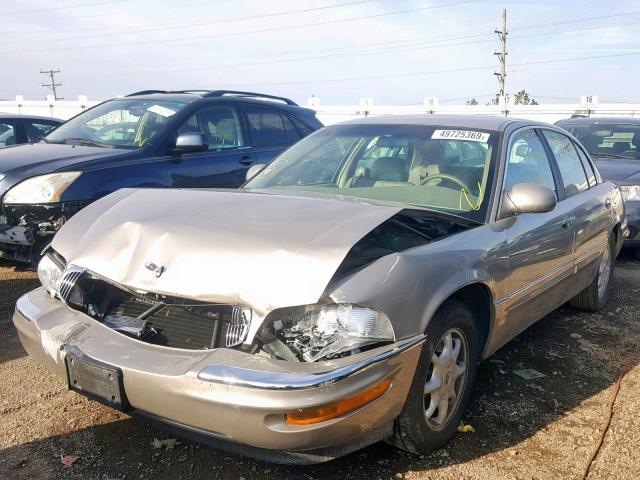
<point>540,245</point>
<point>589,201</point>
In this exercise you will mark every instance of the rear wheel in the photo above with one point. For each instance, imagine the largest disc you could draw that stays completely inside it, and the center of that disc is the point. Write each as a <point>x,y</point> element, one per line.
<point>443,381</point>
<point>595,296</point>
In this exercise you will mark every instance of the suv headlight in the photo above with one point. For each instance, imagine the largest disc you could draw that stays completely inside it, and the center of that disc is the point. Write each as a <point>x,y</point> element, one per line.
<point>41,189</point>
<point>314,332</point>
<point>630,192</point>
<point>49,273</point>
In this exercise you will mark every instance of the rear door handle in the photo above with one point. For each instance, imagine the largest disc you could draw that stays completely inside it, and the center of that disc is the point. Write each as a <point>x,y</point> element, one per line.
<point>567,222</point>
<point>246,160</point>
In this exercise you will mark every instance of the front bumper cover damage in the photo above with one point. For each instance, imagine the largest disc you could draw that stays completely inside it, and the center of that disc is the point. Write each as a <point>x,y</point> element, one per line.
<point>26,229</point>
<point>207,395</point>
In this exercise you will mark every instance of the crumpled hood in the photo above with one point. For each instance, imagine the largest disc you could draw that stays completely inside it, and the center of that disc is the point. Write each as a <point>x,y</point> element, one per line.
<point>619,170</point>
<point>226,246</point>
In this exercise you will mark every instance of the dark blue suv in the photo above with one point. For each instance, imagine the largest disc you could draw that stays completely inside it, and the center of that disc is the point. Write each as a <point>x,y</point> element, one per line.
<point>154,138</point>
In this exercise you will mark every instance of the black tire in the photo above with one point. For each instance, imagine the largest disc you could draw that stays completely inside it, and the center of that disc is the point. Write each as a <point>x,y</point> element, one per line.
<point>414,432</point>
<point>592,298</point>
<point>637,253</point>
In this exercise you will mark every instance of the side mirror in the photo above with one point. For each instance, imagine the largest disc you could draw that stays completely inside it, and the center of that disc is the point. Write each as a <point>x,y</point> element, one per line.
<point>190,143</point>
<point>527,198</point>
<point>254,170</point>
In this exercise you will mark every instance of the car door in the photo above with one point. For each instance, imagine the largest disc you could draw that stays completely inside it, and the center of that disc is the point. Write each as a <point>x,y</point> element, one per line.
<point>540,245</point>
<point>227,158</point>
<point>270,131</point>
<point>590,204</point>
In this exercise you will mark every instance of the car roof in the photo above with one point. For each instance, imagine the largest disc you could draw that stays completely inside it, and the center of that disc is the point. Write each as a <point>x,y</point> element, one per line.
<point>7,116</point>
<point>599,121</point>
<point>484,122</point>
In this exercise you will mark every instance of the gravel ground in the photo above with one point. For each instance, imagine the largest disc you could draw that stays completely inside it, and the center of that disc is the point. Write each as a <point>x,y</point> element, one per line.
<point>530,429</point>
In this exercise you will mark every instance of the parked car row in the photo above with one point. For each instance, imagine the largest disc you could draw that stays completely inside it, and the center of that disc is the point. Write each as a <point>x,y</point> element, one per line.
<point>342,296</point>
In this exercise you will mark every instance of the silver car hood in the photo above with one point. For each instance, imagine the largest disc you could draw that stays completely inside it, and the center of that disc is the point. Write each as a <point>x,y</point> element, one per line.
<point>225,246</point>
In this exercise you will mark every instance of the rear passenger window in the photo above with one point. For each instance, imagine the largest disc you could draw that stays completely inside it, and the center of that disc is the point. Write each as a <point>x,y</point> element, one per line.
<point>591,175</point>
<point>570,165</point>
<point>528,162</point>
<point>292,132</point>
<point>267,127</point>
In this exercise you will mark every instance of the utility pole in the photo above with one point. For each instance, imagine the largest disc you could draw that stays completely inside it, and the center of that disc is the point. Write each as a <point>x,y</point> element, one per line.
<point>52,75</point>
<point>502,57</point>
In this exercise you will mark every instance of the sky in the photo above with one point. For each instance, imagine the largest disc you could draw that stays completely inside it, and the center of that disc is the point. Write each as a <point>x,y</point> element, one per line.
<point>395,51</point>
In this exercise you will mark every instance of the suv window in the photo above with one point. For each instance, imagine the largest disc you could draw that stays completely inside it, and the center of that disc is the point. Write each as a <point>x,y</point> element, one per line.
<point>7,134</point>
<point>37,130</point>
<point>267,127</point>
<point>570,165</point>
<point>528,162</point>
<point>219,125</point>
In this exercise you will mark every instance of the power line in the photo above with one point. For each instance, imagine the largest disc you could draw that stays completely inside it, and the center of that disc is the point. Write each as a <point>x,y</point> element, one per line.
<point>247,32</point>
<point>432,72</point>
<point>52,75</point>
<point>81,5</point>
<point>394,47</point>
<point>203,22</point>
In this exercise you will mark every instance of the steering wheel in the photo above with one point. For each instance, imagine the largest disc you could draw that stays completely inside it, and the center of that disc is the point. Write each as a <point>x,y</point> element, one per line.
<point>630,153</point>
<point>444,176</point>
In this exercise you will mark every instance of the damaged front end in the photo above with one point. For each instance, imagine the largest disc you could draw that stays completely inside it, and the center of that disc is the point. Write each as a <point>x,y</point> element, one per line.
<point>26,229</point>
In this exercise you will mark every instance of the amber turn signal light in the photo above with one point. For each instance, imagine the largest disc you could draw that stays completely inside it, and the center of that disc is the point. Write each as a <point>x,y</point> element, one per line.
<point>337,409</point>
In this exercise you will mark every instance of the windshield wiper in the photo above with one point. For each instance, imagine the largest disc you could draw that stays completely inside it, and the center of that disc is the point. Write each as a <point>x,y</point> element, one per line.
<point>85,142</point>
<point>612,155</point>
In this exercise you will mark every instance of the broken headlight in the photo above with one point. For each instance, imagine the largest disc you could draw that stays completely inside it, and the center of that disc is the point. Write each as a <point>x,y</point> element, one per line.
<point>314,332</point>
<point>49,273</point>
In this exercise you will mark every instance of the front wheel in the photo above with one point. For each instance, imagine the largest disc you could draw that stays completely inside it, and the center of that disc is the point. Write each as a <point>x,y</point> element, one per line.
<point>595,296</point>
<point>443,381</point>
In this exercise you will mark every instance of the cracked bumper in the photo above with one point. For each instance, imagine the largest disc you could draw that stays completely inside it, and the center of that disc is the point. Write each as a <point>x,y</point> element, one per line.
<point>227,396</point>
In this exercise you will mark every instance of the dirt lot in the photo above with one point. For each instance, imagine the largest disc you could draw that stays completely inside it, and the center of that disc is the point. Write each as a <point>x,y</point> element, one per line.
<point>532,429</point>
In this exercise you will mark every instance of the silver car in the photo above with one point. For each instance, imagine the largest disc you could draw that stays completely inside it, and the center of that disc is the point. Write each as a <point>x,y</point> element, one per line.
<point>344,296</point>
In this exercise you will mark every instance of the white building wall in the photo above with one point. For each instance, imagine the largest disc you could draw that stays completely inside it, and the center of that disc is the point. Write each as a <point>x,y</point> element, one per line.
<point>329,114</point>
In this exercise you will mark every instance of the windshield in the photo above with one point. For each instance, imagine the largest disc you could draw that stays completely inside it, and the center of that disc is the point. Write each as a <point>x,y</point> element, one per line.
<point>614,140</point>
<point>121,123</point>
<point>432,167</point>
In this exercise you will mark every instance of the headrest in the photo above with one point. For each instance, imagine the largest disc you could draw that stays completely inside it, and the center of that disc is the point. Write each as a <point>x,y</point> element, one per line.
<point>523,150</point>
<point>635,141</point>
<point>389,168</point>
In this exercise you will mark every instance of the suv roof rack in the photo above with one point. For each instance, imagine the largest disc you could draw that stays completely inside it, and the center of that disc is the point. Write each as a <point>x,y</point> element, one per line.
<point>146,92</point>
<point>222,93</point>
<point>218,93</point>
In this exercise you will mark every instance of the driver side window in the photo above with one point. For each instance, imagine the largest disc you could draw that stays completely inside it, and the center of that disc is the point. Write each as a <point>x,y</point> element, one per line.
<point>528,162</point>
<point>219,126</point>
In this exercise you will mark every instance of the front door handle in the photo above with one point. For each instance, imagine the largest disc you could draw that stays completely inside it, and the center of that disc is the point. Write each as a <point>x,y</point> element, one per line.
<point>246,160</point>
<point>568,222</point>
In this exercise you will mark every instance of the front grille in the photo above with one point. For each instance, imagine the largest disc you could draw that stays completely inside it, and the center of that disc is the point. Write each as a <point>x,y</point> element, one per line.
<point>167,321</point>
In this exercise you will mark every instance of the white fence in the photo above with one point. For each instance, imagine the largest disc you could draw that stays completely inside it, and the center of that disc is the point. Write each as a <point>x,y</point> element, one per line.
<point>330,114</point>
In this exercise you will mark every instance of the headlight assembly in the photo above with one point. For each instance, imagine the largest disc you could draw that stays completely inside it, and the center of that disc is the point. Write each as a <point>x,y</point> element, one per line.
<point>49,273</point>
<point>314,332</point>
<point>630,192</point>
<point>41,189</point>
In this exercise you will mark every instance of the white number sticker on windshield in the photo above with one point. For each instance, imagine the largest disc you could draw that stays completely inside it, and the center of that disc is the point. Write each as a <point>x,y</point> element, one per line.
<point>468,135</point>
<point>160,110</point>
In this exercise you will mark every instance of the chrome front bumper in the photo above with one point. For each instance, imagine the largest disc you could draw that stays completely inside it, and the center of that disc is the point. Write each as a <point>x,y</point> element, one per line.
<point>223,393</point>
